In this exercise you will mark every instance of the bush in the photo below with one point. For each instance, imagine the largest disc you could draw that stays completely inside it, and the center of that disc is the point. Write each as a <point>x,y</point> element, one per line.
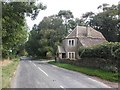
<point>117,53</point>
<point>23,53</point>
<point>105,56</point>
<point>109,50</point>
<point>49,54</point>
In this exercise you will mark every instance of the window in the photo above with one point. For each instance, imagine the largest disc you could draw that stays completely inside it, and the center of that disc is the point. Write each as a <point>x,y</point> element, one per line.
<point>71,42</point>
<point>71,55</point>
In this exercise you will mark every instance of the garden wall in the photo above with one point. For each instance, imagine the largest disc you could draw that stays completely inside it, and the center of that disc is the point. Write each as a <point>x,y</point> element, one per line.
<point>100,63</point>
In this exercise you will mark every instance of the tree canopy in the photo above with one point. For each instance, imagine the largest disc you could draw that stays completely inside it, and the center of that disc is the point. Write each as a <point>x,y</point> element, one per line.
<point>14,27</point>
<point>107,22</point>
<point>45,37</point>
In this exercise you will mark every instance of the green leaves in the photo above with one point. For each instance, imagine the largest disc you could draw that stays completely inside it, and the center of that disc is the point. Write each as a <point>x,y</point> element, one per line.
<point>45,37</point>
<point>67,14</point>
<point>107,22</point>
<point>14,27</point>
<point>108,50</point>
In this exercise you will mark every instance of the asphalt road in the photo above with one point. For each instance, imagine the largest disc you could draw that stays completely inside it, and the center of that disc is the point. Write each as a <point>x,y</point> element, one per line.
<point>40,74</point>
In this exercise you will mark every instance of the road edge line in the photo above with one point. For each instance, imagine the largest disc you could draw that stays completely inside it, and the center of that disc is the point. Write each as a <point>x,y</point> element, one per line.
<point>43,71</point>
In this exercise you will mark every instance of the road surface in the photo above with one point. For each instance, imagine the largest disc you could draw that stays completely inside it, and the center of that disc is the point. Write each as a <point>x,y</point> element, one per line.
<point>40,74</point>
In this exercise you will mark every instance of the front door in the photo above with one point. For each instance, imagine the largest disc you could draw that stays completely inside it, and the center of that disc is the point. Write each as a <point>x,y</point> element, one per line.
<point>63,55</point>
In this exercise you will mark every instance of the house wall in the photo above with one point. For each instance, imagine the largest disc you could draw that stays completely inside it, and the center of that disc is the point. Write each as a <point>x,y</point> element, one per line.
<point>71,48</point>
<point>60,55</point>
<point>78,46</point>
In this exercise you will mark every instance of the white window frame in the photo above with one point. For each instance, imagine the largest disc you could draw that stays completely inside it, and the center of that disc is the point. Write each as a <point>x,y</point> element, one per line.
<point>71,55</point>
<point>71,42</point>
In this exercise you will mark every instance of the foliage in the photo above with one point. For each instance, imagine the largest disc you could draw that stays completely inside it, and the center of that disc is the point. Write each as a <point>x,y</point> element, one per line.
<point>87,17</point>
<point>107,22</point>
<point>46,36</point>
<point>14,28</point>
<point>90,71</point>
<point>67,16</point>
<point>109,50</point>
<point>49,54</point>
<point>23,53</point>
<point>117,53</point>
<point>72,23</point>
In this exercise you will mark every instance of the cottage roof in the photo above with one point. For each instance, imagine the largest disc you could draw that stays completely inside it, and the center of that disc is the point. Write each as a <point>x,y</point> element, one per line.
<point>82,31</point>
<point>61,49</point>
<point>87,36</point>
<point>86,42</point>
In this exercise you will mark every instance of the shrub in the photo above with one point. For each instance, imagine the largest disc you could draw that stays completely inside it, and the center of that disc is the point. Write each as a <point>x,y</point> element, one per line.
<point>105,56</point>
<point>109,50</point>
<point>117,53</point>
<point>49,54</point>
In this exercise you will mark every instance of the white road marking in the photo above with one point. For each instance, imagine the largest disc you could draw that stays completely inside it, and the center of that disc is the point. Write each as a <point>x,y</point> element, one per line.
<point>43,71</point>
<point>61,86</point>
<point>34,64</point>
<point>99,82</point>
<point>54,66</point>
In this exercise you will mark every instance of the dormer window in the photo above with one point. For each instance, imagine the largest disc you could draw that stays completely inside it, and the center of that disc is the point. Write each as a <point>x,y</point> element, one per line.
<point>71,42</point>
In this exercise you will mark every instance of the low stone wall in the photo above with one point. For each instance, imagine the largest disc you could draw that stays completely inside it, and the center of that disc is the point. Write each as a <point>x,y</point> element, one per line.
<point>110,65</point>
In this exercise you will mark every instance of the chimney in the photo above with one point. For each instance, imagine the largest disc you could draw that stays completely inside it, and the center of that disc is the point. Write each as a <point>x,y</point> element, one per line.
<point>77,30</point>
<point>87,33</point>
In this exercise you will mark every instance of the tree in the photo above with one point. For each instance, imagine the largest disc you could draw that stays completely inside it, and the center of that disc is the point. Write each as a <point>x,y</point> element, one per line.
<point>72,23</point>
<point>66,15</point>
<point>104,6</point>
<point>55,23</point>
<point>119,21</point>
<point>14,30</point>
<point>107,22</point>
<point>87,17</point>
<point>45,37</point>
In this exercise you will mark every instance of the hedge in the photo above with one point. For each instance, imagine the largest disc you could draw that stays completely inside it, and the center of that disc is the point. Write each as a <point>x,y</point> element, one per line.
<point>109,50</point>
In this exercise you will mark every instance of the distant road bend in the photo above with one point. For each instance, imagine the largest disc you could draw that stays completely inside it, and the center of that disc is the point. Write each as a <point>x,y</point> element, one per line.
<point>40,74</point>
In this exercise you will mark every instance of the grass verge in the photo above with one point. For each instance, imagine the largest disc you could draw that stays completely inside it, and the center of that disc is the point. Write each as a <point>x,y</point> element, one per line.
<point>7,73</point>
<point>106,75</point>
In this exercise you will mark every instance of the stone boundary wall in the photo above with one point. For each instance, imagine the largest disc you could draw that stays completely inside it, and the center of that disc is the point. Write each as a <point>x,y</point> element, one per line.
<point>105,64</point>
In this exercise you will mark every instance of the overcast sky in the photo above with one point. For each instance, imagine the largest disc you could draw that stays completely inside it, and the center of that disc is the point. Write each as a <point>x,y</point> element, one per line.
<point>78,7</point>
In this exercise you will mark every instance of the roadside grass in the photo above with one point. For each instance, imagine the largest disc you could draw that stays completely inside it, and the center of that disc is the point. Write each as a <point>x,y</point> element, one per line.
<point>106,75</point>
<point>8,72</point>
<point>0,77</point>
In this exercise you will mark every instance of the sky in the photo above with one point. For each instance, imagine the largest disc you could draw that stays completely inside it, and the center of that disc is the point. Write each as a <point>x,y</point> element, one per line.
<point>77,7</point>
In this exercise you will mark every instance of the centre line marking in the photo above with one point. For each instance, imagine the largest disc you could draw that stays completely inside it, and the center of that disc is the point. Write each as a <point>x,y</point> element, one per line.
<point>34,64</point>
<point>43,71</point>
<point>61,86</point>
